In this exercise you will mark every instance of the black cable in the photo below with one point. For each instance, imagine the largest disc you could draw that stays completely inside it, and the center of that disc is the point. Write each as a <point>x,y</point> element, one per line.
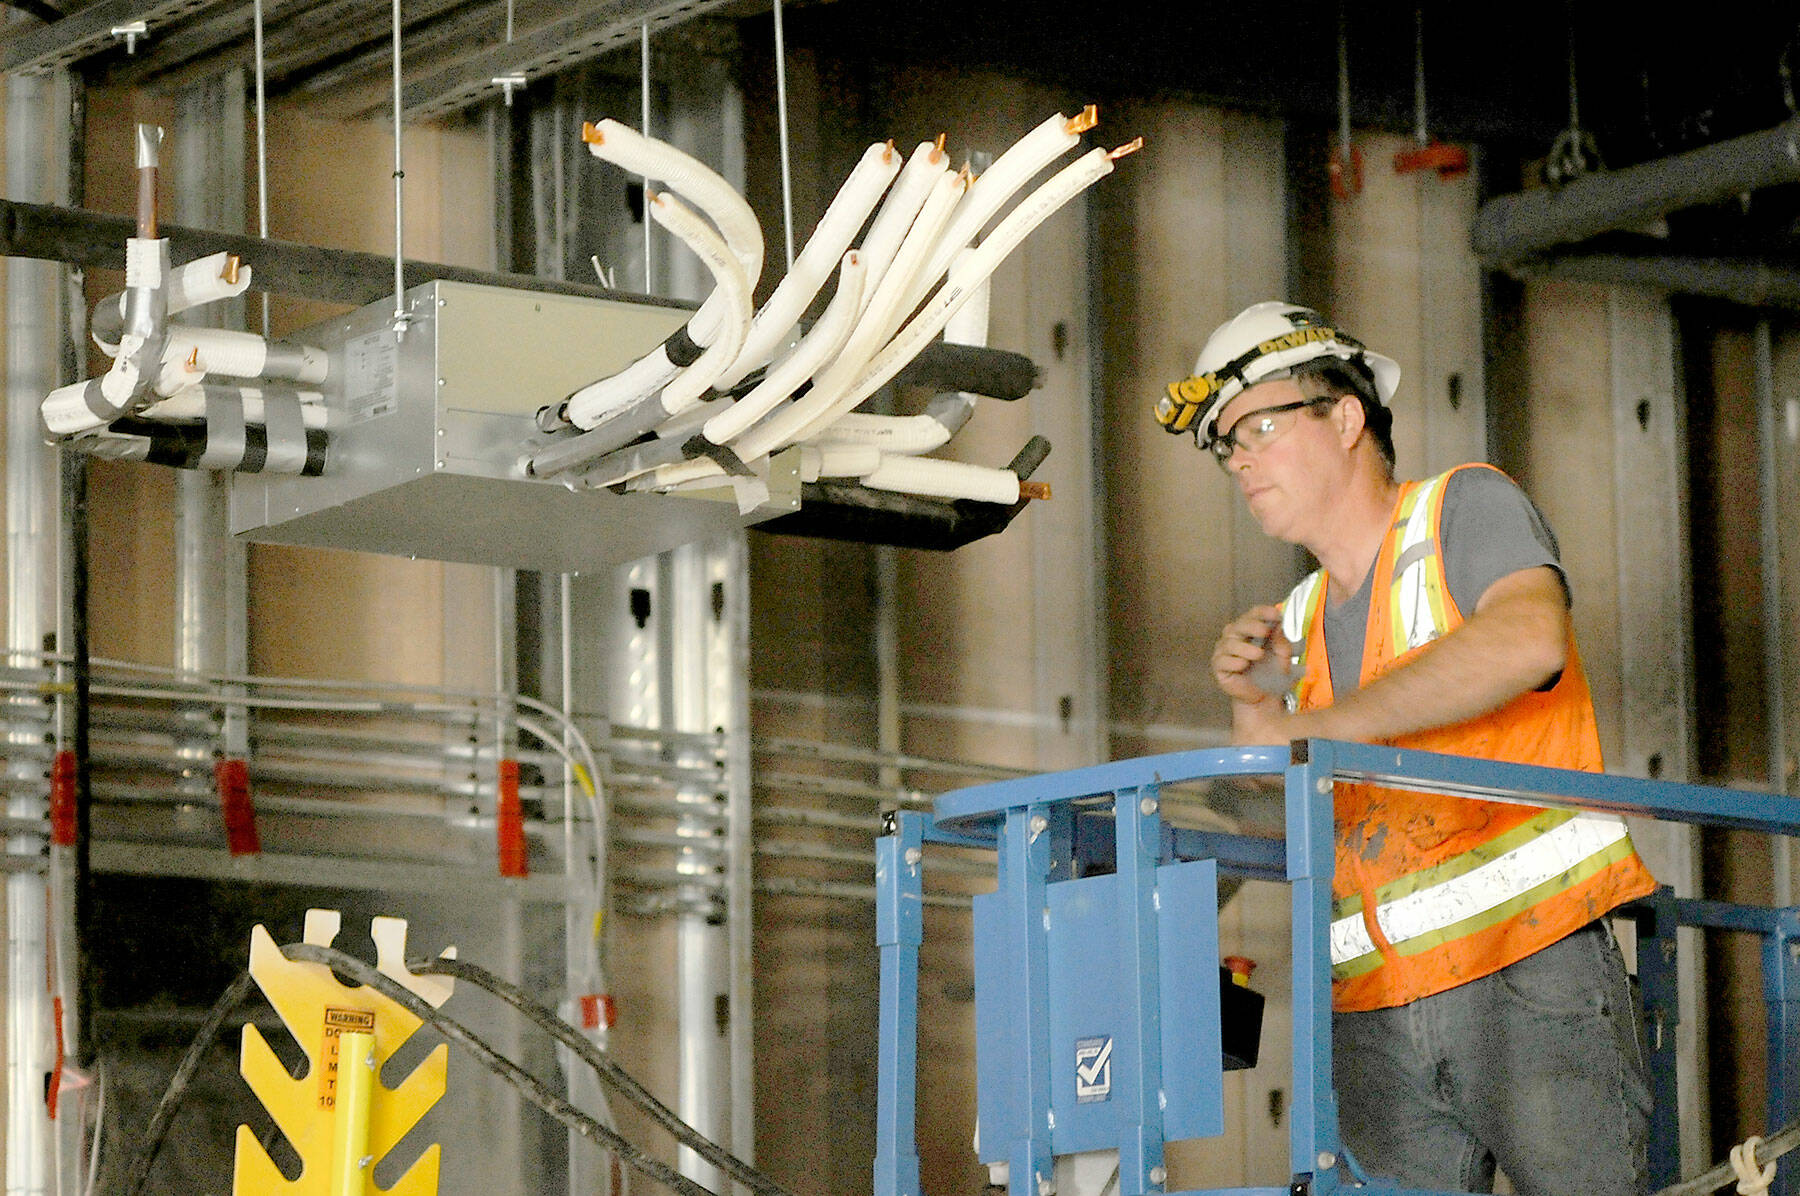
<point>166,1108</point>
<point>158,1128</point>
<point>1771,1148</point>
<point>527,1084</point>
<point>604,1066</point>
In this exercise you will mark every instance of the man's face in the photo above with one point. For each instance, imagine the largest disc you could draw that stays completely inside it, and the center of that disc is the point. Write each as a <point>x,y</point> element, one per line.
<point>1287,479</point>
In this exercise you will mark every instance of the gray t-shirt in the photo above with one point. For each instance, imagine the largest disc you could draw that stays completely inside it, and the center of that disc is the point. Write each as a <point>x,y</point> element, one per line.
<point>1489,529</point>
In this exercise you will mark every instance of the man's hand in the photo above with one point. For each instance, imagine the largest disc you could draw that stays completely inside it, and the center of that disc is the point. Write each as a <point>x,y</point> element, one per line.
<point>1249,638</point>
<point>1251,645</point>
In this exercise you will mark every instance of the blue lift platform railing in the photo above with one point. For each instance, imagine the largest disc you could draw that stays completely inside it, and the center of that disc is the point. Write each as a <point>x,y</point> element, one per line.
<point>1037,1083</point>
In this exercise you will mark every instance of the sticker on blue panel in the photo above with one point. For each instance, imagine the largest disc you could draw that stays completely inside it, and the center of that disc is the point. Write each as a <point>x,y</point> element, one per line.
<point>1093,1069</point>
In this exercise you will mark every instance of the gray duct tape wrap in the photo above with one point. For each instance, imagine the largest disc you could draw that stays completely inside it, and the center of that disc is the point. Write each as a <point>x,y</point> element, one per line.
<point>225,436</point>
<point>287,434</point>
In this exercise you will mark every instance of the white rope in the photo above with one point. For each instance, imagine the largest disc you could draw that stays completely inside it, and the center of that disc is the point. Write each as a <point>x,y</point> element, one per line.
<point>1751,1181</point>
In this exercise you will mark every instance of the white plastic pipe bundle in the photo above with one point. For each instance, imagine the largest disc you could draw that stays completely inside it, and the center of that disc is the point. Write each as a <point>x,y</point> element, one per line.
<point>156,361</point>
<point>872,328</point>
<point>624,394</point>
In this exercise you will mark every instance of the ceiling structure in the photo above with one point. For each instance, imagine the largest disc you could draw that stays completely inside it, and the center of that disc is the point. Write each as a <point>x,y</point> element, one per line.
<point>1645,89</point>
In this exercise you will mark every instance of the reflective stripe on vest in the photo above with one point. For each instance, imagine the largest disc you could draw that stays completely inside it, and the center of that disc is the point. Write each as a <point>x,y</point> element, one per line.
<point>1297,611</point>
<point>1416,607</point>
<point>1479,888</point>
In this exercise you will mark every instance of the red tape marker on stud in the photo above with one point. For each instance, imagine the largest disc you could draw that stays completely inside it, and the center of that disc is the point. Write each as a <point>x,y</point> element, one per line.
<point>232,779</point>
<point>62,800</point>
<point>509,823</point>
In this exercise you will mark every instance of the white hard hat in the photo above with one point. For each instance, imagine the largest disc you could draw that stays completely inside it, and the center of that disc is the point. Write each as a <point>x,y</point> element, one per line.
<point>1265,340</point>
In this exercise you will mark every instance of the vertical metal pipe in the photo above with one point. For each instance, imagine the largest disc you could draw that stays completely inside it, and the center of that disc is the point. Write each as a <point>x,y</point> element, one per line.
<point>644,127</point>
<point>210,619</point>
<point>1419,131</point>
<point>781,119</point>
<point>400,316</point>
<point>730,566</point>
<point>36,127</point>
<point>262,144</point>
<point>696,700</point>
<point>1343,65</point>
<point>1774,665</point>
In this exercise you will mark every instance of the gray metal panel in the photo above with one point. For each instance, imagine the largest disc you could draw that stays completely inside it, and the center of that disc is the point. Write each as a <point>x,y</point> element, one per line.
<point>1655,656</point>
<point>1450,389</point>
<point>429,460</point>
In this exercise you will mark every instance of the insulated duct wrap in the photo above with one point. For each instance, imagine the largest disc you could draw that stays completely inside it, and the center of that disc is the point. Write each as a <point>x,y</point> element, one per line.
<point>1515,226</point>
<point>247,355</point>
<point>935,478</point>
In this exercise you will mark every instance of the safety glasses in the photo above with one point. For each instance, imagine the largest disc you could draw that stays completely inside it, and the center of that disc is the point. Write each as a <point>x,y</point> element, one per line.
<point>1257,430</point>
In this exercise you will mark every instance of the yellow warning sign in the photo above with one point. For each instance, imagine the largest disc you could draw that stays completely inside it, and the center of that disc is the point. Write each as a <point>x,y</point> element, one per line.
<point>336,1022</point>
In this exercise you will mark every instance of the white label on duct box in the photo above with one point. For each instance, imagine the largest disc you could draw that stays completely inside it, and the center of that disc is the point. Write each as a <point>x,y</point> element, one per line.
<point>369,365</point>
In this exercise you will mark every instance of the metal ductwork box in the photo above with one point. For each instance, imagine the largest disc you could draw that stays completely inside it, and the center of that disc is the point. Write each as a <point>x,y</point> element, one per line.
<point>429,433</point>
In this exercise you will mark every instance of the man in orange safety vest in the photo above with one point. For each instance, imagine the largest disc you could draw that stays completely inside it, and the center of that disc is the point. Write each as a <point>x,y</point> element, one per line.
<point>1482,1012</point>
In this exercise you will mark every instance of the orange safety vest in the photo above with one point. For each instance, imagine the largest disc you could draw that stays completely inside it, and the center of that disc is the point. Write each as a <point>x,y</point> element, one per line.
<point>1432,891</point>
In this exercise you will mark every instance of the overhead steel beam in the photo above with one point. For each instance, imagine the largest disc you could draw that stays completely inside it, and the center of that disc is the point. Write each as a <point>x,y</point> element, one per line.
<point>218,41</point>
<point>553,48</point>
<point>306,44</point>
<point>88,32</point>
<point>1515,226</point>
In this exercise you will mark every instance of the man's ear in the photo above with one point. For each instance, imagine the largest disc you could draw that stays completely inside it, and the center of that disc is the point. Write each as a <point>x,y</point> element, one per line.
<point>1349,419</point>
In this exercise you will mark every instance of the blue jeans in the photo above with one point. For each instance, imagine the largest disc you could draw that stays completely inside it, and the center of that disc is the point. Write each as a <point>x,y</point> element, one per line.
<point>1538,1068</point>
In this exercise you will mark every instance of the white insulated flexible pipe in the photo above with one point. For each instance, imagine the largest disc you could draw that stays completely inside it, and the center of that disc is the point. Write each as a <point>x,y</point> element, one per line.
<point>685,176</point>
<point>189,356</point>
<point>190,404</point>
<point>207,280</point>
<point>787,425</point>
<point>926,476</point>
<point>823,342</point>
<point>204,280</point>
<point>246,355</point>
<point>910,435</point>
<point>967,276</point>
<point>995,186</point>
<point>897,435</point>
<point>937,478</point>
<point>623,423</point>
<point>837,461</point>
<point>898,212</point>
<point>731,283</point>
<point>843,219</point>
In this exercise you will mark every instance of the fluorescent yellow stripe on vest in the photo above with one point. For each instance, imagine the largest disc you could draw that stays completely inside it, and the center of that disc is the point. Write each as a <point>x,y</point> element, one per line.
<point>1550,857</point>
<point>1592,866</point>
<point>1417,609</point>
<point>1297,612</point>
<point>1456,866</point>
